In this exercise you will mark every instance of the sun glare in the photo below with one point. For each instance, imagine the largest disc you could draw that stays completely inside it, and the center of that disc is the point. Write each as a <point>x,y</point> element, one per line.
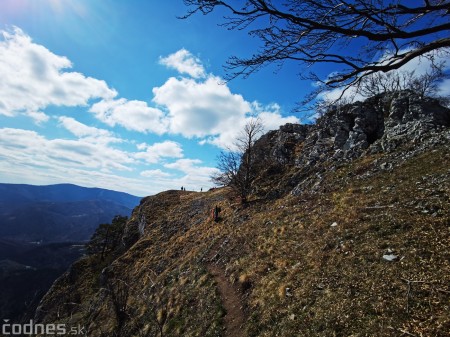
<point>62,6</point>
<point>54,7</point>
<point>14,6</point>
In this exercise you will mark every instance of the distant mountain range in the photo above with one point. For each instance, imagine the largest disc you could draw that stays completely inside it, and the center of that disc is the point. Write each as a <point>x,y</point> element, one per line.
<point>42,231</point>
<point>57,213</point>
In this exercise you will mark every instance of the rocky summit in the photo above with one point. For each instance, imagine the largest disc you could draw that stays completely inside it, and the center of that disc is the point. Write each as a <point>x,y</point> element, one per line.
<point>380,124</point>
<point>345,233</point>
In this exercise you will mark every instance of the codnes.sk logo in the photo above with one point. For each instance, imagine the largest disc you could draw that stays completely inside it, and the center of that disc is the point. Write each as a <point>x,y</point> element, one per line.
<point>31,328</point>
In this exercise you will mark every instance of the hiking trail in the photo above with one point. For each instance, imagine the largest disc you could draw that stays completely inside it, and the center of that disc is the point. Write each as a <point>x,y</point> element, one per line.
<point>234,317</point>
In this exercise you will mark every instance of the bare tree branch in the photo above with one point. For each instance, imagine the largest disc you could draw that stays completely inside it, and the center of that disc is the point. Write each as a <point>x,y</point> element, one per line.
<point>350,33</point>
<point>238,166</point>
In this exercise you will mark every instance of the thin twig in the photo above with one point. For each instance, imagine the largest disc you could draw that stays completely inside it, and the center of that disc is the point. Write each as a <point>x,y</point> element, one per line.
<point>408,293</point>
<point>403,331</point>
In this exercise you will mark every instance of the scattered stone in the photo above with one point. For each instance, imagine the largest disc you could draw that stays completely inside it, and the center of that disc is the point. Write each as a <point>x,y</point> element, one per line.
<point>320,286</point>
<point>288,292</point>
<point>385,166</point>
<point>390,257</point>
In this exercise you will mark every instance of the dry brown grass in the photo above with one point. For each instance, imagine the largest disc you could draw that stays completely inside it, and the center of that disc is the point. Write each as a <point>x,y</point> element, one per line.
<point>308,265</point>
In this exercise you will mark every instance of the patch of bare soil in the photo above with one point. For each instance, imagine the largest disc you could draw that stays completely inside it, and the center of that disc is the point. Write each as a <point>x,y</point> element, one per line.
<point>234,318</point>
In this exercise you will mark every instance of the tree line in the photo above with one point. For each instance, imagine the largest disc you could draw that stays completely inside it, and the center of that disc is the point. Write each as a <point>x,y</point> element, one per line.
<point>107,237</point>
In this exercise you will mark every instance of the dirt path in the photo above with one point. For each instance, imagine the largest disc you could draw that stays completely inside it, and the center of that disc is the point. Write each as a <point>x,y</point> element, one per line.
<point>234,318</point>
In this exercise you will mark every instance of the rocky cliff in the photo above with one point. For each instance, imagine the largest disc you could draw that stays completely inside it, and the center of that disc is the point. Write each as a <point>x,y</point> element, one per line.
<point>345,234</point>
<point>400,121</point>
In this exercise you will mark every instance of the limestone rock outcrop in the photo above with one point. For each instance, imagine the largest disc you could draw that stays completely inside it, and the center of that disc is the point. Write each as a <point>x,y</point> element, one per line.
<point>382,123</point>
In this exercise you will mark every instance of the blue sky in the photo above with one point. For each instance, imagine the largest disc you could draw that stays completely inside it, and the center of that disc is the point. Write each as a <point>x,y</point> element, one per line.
<point>125,96</point>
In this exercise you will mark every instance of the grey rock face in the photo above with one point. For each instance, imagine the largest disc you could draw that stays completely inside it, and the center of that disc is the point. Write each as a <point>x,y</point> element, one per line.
<point>382,123</point>
<point>410,118</point>
<point>278,146</point>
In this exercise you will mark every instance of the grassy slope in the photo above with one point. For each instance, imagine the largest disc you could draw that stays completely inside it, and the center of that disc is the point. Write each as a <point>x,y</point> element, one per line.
<point>338,282</point>
<point>297,274</point>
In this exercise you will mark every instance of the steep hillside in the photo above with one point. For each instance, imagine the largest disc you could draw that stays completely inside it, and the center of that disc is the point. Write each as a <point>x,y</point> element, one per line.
<point>346,234</point>
<point>39,226</point>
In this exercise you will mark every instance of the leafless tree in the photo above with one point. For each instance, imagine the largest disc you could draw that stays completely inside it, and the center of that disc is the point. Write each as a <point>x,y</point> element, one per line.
<point>228,164</point>
<point>361,37</point>
<point>237,166</point>
<point>119,292</point>
<point>378,83</point>
<point>426,84</point>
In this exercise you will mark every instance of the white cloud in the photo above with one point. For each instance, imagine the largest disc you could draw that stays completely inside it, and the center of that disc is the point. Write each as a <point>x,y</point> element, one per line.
<point>132,115</point>
<point>38,116</point>
<point>206,108</point>
<point>154,153</point>
<point>185,63</point>
<point>34,78</point>
<point>270,116</point>
<point>192,169</point>
<point>84,131</point>
<point>141,146</point>
<point>28,148</point>
<point>189,173</point>
<point>195,175</point>
<point>155,174</point>
<point>28,157</point>
<point>200,108</point>
<point>444,88</point>
<point>419,65</point>
<point>185,165</point>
